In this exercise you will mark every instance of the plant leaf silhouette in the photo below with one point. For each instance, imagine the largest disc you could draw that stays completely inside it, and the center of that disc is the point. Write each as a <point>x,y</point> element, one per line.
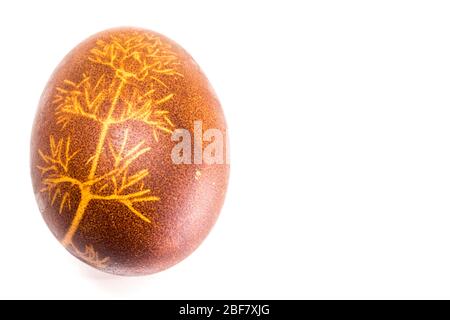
<point>132,60</point>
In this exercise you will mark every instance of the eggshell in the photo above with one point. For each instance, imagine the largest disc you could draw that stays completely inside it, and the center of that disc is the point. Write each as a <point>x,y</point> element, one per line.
<point>102,150</point>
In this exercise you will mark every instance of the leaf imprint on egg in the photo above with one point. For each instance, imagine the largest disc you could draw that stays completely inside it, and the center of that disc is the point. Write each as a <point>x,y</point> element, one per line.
<point>130,60</point>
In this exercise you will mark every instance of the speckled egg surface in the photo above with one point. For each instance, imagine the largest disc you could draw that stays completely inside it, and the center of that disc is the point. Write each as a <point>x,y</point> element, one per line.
<point>108,125</point>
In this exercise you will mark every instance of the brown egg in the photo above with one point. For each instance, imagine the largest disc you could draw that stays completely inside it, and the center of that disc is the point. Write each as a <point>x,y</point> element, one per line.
<point>128,152</point>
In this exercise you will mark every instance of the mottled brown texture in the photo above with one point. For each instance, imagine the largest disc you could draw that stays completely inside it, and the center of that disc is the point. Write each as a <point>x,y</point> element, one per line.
<point>189,204</point>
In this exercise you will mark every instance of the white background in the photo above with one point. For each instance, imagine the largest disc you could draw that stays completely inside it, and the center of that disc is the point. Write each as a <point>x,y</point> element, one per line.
<point>339,116</point>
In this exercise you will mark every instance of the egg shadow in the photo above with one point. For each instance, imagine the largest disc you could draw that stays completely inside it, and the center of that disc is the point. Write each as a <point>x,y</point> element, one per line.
<point>111,282</point>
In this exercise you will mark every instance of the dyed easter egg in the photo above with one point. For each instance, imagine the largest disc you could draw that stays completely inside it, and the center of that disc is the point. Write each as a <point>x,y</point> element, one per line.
<point>128,152</point>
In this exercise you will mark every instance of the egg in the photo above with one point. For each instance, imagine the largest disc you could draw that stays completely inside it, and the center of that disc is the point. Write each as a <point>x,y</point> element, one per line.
<point>129,152</point>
